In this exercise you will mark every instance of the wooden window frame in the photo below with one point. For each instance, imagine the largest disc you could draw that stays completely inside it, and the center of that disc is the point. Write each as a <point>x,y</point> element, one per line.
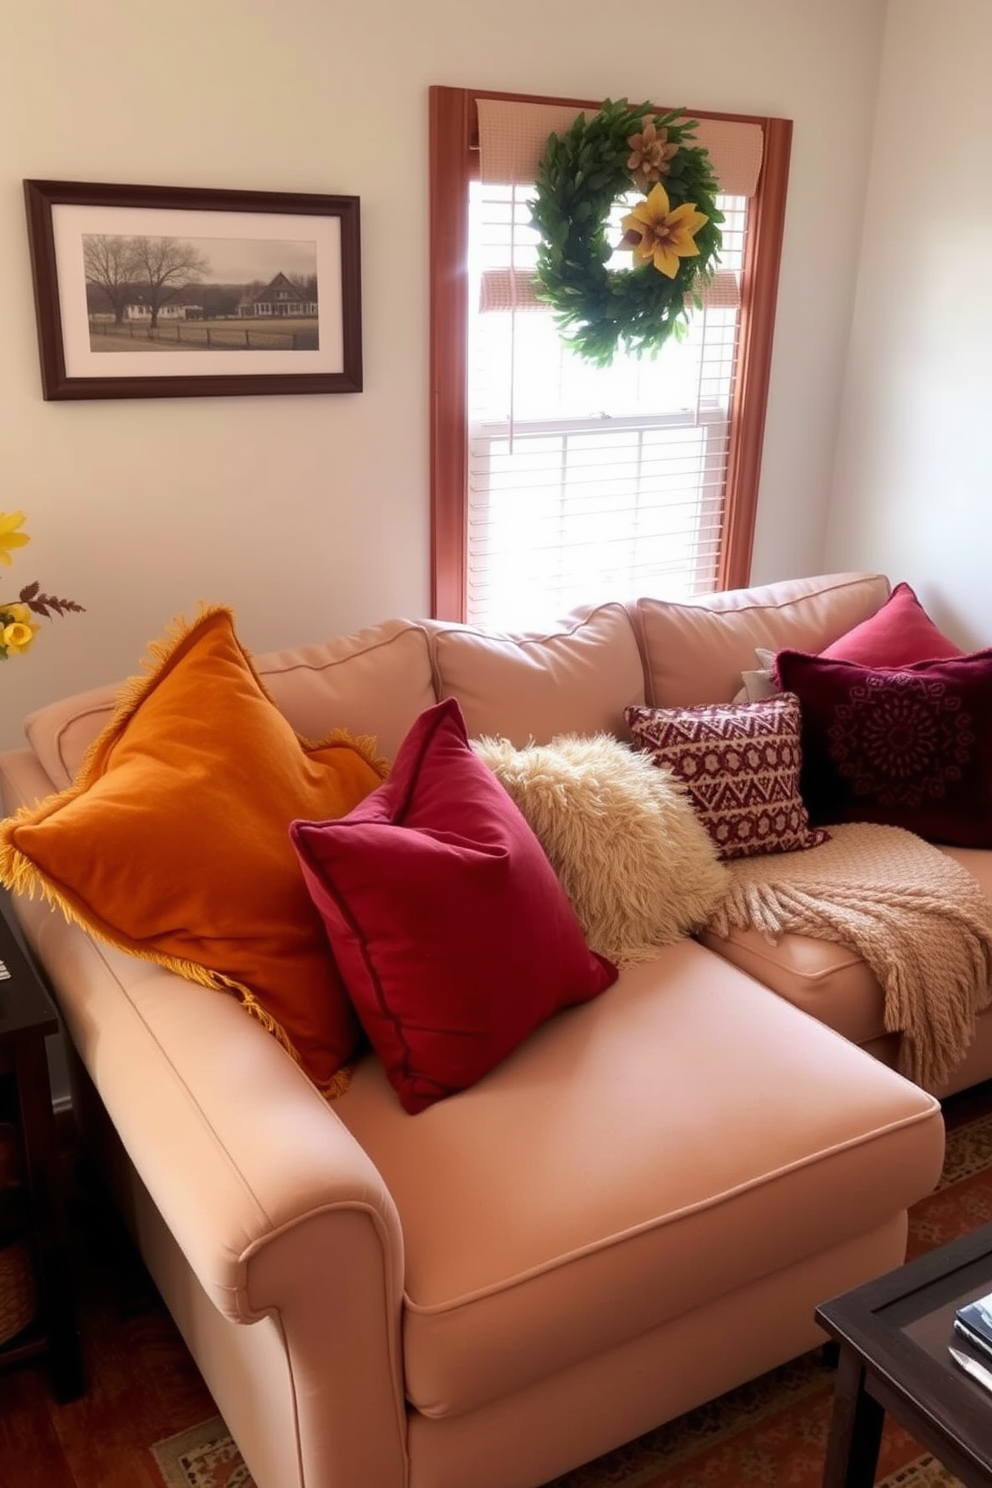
<point>454,162</point>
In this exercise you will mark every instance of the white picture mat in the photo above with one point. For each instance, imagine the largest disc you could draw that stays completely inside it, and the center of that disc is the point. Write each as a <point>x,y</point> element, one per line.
<point>69,224</point>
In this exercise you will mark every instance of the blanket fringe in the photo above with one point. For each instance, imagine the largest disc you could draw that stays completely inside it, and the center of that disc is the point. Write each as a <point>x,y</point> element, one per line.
<point>928,942</point>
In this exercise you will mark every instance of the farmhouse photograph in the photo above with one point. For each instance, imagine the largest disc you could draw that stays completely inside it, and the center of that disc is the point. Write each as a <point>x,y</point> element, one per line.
<point>200,294</point>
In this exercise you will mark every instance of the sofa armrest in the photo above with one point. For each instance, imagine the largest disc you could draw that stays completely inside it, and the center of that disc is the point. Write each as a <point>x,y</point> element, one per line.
<point>235,1145</point>
<point>233,1142</point>
<point>278,1210</point>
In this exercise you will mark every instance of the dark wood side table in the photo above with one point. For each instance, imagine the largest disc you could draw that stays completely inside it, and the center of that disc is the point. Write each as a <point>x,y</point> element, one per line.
<point>893,1334</point>
<point>33,1211</point>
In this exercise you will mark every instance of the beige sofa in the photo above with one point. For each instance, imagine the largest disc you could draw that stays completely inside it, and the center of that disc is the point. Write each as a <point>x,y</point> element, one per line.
<point>636,1211</point>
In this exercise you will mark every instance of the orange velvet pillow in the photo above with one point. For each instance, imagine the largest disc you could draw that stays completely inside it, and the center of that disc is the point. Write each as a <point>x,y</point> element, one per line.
<point>173,841</point>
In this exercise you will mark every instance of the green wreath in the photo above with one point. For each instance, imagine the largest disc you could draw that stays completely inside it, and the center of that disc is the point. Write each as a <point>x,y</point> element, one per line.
<point>673,233</point>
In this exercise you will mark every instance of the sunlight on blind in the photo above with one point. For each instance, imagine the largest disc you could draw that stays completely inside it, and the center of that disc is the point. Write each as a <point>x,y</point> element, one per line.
<point>588,483</point>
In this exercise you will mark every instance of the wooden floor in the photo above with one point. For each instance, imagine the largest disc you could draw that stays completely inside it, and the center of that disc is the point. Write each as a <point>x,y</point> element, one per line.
<point>141,1383</point>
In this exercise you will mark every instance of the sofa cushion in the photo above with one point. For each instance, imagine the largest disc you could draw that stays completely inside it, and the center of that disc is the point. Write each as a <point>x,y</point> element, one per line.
<point>696,652</point>
<point>831,981</point>
<point>376,681</point>
<point>638,866</point>
<point>907,747</point>
<point>174,841</point>
<point>60,733</point>
<point>899,632</point>
<point>373,682</point>
<point>527,687</point>
<point>741,765</point>
<point>609,1129</point>
<point>824,978</point>
<point>453,935</point>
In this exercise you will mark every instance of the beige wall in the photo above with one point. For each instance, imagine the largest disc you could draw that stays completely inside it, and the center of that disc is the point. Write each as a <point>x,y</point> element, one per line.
<point>913,491</point>
<point>310,515</point>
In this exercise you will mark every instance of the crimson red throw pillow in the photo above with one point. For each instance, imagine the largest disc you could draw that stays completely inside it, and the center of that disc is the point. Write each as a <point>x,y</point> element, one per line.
<point>452,933</point>
<point>898,634</point>
<point>909,747</point>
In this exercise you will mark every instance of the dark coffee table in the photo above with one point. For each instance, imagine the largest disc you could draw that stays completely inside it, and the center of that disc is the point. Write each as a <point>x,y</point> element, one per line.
<point>893,1335</point>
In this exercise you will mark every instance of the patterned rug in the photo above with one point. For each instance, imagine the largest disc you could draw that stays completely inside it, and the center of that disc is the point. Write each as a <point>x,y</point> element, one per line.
<point>772,1431</point>
<point>205,1457</point>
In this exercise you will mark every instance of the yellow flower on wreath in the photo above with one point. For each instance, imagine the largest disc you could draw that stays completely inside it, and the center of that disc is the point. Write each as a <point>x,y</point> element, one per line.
<point>659,235</point>
<point>18,626</point>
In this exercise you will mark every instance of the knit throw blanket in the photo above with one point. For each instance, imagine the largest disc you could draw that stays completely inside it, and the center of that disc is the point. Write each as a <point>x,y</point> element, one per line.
<point>919,920</point>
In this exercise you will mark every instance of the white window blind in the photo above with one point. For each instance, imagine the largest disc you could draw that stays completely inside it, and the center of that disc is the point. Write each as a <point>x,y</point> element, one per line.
<point>589,483</point>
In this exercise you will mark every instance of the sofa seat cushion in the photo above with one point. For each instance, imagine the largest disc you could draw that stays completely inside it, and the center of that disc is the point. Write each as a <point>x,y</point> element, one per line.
<point>676,1138</point>
<point>827,980</point>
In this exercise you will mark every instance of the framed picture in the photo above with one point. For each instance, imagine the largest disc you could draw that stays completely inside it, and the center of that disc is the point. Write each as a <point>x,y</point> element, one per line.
<point>178,292</point>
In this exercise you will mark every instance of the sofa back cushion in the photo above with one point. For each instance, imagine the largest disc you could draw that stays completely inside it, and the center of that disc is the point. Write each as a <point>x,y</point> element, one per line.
<point>695,652</point>
<point>375,682</point>
<point>61,732</point>
<point>529,686</point>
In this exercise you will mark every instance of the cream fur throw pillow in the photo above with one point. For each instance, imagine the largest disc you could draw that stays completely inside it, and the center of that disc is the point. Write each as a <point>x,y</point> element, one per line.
<point>638,866</point>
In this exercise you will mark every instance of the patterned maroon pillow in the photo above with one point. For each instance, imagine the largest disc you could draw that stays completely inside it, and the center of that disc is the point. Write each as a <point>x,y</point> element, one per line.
<point>908,747</point>
<point>741,764</point>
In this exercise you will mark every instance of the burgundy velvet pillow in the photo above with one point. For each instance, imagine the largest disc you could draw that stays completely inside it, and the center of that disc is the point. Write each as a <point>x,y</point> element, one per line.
<point>452,933</point>
<point>909,747</point>
<point>898,634</point>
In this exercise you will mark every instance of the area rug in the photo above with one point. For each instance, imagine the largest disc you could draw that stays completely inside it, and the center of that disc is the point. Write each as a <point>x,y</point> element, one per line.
<point>204,1457</point>
<point>772,1431</point>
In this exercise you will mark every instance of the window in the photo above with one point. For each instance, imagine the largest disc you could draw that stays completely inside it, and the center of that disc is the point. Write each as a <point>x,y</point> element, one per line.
<point>554,482</point>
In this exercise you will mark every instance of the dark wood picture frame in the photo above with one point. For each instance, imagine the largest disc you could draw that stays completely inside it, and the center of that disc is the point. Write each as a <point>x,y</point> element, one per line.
<point>75,226</point>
